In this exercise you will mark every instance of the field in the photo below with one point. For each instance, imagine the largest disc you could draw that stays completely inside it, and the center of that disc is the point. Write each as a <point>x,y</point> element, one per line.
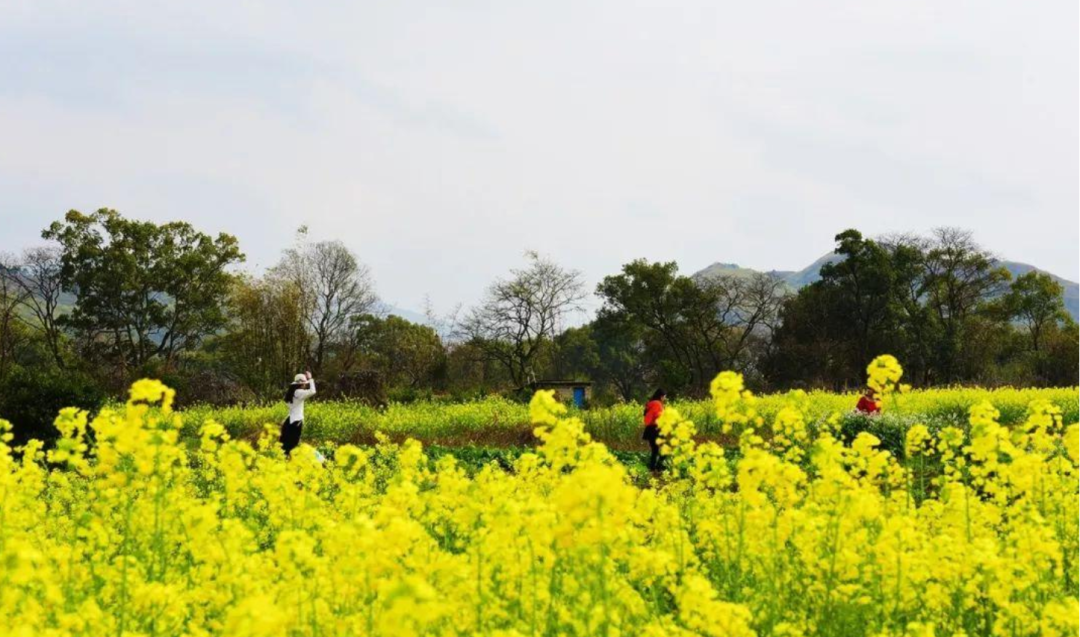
<point>954,513</point>
<point>500,427</point>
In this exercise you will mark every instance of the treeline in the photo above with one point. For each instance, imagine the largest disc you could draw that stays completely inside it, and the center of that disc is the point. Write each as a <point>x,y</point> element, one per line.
<point>109,299</point>
<point>941,304</point>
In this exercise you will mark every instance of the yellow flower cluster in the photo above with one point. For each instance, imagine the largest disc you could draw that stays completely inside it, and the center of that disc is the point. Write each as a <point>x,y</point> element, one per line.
<point>790,433</point>
<point>917,440</point>
<point>734,404</point>
<point>676,435</point>
<point>883,374</point>
<point>126,528</point>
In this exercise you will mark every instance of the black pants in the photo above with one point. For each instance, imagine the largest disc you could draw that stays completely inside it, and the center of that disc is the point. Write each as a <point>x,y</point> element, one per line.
<point>290,435</point>
<point>652,432</point>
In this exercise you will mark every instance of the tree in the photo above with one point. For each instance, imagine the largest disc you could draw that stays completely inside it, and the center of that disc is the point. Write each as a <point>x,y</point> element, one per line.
<point>575,355</point>
<point>1035,299</point>
<point>520,315</point>
<point>929,301</point>
<point>266,340</point>
<point>335,289</point>
<point>959,281</point>
<point>654,297</point>
<point>143,291</point>
<point>623,362</point>
<point>405,353</point>
<point>692,328</point>
<point>750,308</point>
<point>11,298</point>
<point>863,282</point>
<point>1061,366</point>
<point>913,324</point>
<point>37,279</point>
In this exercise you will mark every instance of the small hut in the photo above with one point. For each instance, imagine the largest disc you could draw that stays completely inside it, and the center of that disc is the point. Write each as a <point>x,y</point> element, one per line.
<point>576,391</point>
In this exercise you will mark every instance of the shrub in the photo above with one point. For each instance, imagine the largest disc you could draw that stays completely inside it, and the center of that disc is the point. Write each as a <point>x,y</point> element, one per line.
<point>31,399</point>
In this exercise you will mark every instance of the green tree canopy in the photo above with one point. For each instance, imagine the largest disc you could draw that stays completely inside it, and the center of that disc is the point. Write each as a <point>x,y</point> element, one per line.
<point>1035,299</point>
<point>144,291</point>
<point>691,328</point>
<point>405,353</point>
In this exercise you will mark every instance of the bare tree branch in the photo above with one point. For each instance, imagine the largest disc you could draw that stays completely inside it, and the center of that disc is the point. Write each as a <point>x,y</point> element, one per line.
<point>520,314</point>
<point>334,287</point>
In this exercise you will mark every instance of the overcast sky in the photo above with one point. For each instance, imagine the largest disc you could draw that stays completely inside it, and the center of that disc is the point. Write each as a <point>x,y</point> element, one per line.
<point>440,143</point>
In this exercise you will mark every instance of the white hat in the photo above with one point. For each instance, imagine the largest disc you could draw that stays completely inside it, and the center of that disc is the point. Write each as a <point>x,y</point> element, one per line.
<point>299,378</point>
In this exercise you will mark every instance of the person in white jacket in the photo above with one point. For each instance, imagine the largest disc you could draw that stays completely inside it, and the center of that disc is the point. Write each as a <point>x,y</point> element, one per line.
<point>302,388</point>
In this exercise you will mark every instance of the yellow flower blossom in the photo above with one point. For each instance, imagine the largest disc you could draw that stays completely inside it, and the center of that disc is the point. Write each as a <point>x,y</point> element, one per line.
<point>132,523</point>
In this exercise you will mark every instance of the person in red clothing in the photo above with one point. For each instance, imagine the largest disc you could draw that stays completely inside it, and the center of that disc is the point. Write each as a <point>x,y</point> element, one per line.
<point>653,409</point>
<point>868,403</point>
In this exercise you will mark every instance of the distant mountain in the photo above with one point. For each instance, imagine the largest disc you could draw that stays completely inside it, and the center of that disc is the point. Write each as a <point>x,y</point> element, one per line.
<point>812,273</point>
<point>725,269</point>
<point>387,309</point>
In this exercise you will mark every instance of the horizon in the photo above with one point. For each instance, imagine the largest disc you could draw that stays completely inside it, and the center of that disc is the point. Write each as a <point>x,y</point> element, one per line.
<point>589,306</point>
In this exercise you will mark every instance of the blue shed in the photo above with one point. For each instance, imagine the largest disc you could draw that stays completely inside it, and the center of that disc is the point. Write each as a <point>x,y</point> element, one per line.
<point>576,392</point>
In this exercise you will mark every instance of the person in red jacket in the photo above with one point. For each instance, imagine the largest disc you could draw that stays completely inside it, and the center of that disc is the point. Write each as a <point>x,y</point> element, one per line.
<point>868,402</point>
<point>653,409</point>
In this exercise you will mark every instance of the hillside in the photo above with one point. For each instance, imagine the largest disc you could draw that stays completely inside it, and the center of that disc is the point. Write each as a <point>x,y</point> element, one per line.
<point>812,273</point>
